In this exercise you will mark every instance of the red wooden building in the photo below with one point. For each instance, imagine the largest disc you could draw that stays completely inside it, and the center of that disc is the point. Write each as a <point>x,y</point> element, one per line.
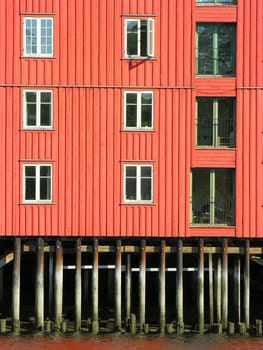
<point>131,118</point>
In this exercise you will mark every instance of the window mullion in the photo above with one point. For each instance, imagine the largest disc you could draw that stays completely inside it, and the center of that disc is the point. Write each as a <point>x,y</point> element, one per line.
<point>139,39</point>
<point>38,108</point>
<point>37,189</point>
<point>139,110</point>
<point>138,183</point>
<point>38,36</point>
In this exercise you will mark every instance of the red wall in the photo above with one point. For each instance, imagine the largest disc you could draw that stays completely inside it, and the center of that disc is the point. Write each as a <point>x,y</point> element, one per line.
<point>88,146</point>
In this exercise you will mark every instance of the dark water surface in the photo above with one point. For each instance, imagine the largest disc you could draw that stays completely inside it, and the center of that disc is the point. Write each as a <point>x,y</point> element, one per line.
<point>115,342</point>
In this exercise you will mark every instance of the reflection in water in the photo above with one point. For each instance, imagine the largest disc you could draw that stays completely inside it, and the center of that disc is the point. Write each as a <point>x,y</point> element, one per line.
<point>114,342</point>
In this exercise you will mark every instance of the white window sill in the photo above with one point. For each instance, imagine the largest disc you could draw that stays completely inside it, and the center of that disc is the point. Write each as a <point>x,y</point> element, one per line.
<point>35,128</point>
<point>148,203</point>
<point>37,202</point>
<point>38,56</point>
<point>138,130</point>
<point>146,58</point>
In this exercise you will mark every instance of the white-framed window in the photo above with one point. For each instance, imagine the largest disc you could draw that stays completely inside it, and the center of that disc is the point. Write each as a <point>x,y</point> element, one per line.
<point>139,38</point>
<point>138,183</point>
<point>138,110</point>
<point>38,109</point>
<point>37,183</point>
<point>38,36</point>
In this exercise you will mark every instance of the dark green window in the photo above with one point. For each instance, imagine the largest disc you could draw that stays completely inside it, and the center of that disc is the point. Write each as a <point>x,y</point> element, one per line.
<point>216,49</point>
<point>215,122</point>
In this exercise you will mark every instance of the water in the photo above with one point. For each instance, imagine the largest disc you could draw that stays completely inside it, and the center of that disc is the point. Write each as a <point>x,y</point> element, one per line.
<point>123,342</point>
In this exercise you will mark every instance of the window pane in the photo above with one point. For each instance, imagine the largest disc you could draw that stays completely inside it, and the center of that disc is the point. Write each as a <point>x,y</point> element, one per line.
<point>146,171</point>
<point>31,96</point>
<point>131,171</point>
<point>146,98</point>
<point>224,194</point>
<point>45,116</point>
<point>131,98</point>
<point>30,190</point>
<point>130,189</point>
<point>226,49</point>
<point>30,171</point>
<point>226,120</point>
<point>143,41</point>
<point>146,117</point>
<point>45,171</point>
<point>31,115</point>
<point>132,38</point>
<point>45,97</point>
<point>45,189</point>
<point>205,122</point>
<point>201,196</point>
<point>131,116</point>
<point>146,189</point>
<point>205,49</point>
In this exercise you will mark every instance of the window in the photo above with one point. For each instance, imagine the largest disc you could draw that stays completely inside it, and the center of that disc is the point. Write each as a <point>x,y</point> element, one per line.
<point>212,201</point>
<point>138,110</point>
<point>223,2</point>
<point>138,183</point>
<point>38,36</point>
<point>139,38</point>
<point>38,109</point>
<point>37,183</point>
<point>215,49</point>
<point>215,122</point>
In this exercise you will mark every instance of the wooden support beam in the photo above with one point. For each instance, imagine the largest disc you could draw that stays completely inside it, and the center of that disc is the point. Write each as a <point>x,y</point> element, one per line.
<point>118,286</point>
<point>95,288</point>
<point>78,287</point>
<point>225,284</point>
<point>179,288</point>
<point>200,287</point>
<point>237,290</point>
<point>16,285</point>
<point>51,284</point>
<point>162,301</point>
<point>39,289</point>
<point>142,286</point>
<point>58,285</point>
<point>247,285</point>
<point>218,287</point>
<point>128,289</point>
<point>1,286</point>
<point>211,289</point>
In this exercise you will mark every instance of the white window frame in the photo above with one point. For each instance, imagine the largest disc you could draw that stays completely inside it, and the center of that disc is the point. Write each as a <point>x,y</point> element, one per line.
<point>150,38</point>
<point>138,199</point>
<point>38,109</point>
<point>38,53</point>
<point>138,111</point>
<point>37,189</point>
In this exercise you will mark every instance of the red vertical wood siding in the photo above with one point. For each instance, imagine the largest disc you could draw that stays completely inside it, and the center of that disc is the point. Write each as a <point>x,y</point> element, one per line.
<point>88,147</point>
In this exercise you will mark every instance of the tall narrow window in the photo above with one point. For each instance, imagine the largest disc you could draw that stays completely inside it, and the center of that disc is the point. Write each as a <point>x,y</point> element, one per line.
<point>213,197</point>
<point>215,49</point>
<point>138,110</point>
<point>37,183</point>
<point>138,183</point>
<point>215,122</point>
<point>37,109</point>
<point>38,36</point>
<point>139,38</point>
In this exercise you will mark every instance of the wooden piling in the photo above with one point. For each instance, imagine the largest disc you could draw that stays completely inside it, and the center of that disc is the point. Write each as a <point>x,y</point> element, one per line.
<point>118,287</point>
<point>237,290</point>
<point>50,284</point>
<point>162,288</point>
<point>85,296</point>
<point>39,288</point>
<point>179,288</point>
<point>225,284</point>
<point>211,289</point>
<point>200,287</point>
<point>16,285</point>
<point>58,285</point>
<point>78,287</point>
<point>218,287</point>
<point>1,286</point>
<point>95,288</point>
<point>247,285</point>
<point>128,289</point>
<point>142,285</point>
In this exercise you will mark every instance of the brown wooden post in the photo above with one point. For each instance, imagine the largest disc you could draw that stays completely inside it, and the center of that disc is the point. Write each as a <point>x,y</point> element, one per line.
<point>1,286</point>
<point>237,290</point>
<point>142,285</point>
<point>225,285</point>
<point>118,286</point>
<point>95,288</point>
<point>16,285</point>
<point>162,287</point>
<point>51,284</point>
<point>200,287</point>
<point>247,285</point>
<point>218,285</point>
<point>128,289</point>
<point>211,289</point>
<point>39,289</point>
<point>179,288</point>
<point>78,287</point>
<point>58,285</point>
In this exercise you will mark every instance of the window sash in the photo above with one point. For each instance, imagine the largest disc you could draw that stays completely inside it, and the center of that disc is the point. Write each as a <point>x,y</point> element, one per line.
<point>140,109</point>
<point>38,38</point>
<point>223,2</point>
<point>37,187</point>
<point>41,108</point>
<point>142,191</point>
<point>146,50</point>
